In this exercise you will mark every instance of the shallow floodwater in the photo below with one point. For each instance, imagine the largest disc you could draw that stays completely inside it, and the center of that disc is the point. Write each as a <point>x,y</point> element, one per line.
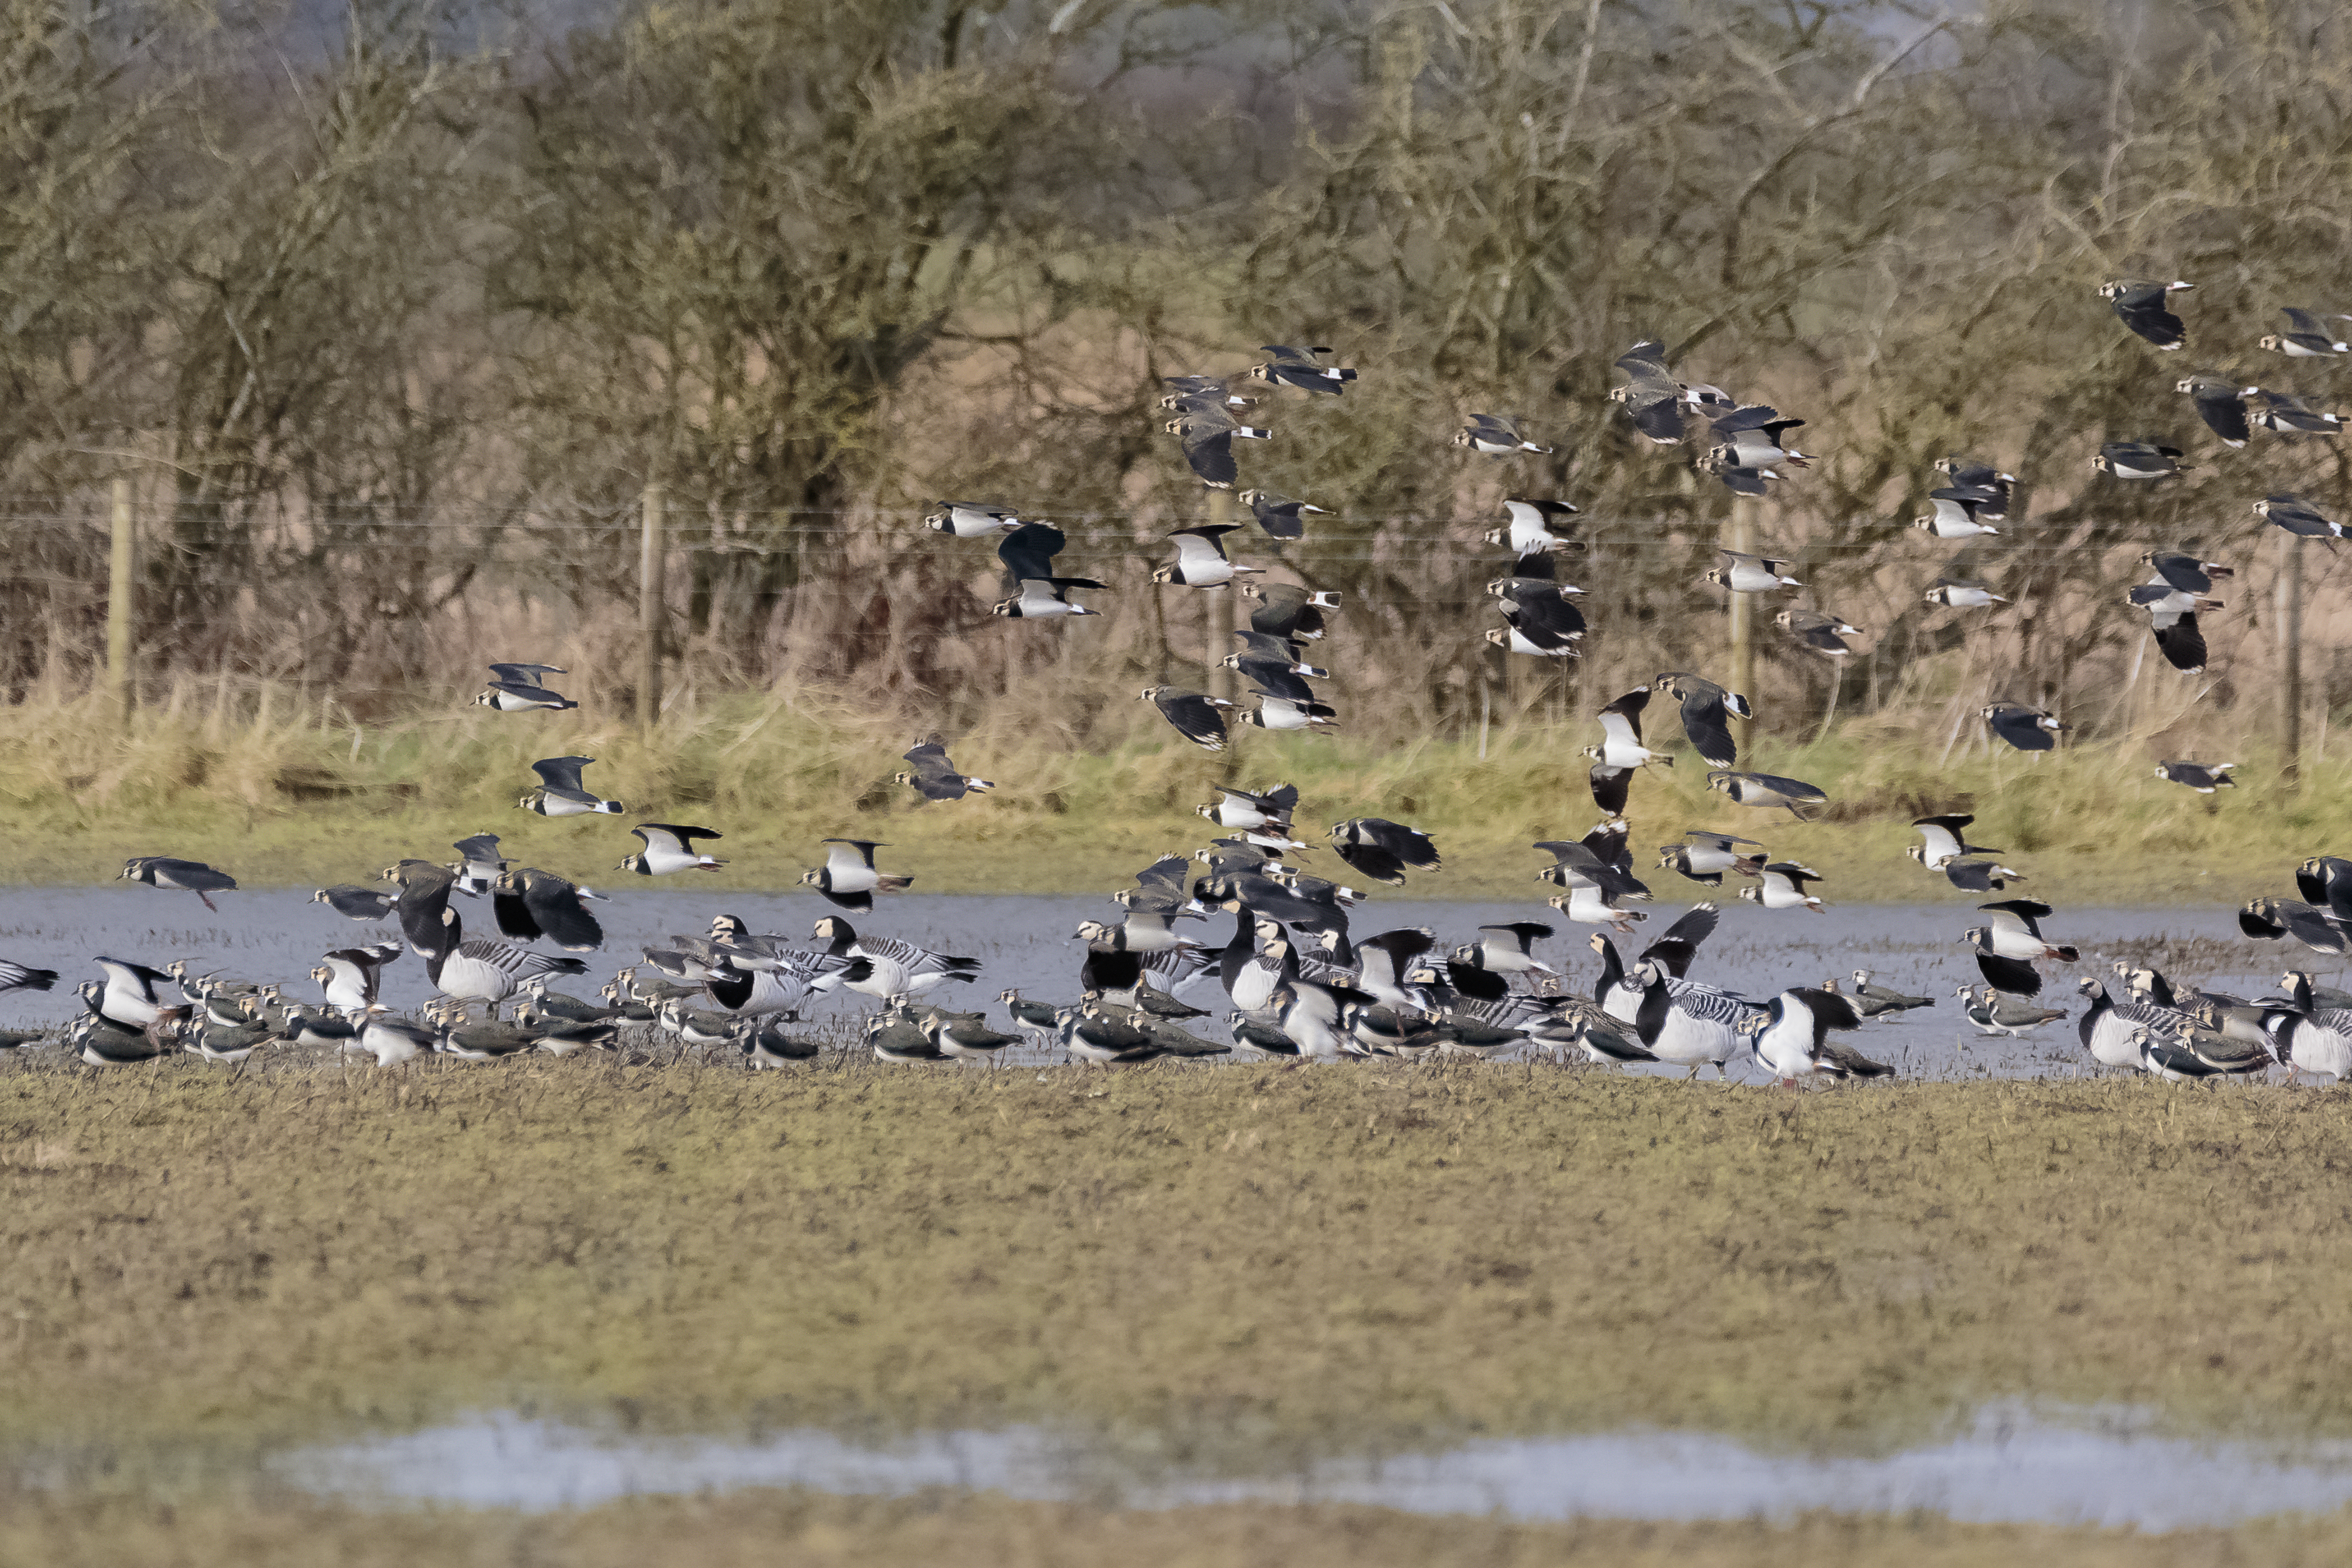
<point>1026,941</point>
<point>2009,1466</point>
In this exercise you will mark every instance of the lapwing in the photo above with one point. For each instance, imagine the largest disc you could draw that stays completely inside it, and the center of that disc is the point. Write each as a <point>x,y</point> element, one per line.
<point>669,846</point>
<point>935,777</point>
<point>2139,304</point>
<point>561,792</point>
<point>848,878</point>
<point>181,876</point>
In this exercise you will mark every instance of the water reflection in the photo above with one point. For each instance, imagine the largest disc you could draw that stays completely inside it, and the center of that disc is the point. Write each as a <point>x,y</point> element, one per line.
<point>2010,1466</point>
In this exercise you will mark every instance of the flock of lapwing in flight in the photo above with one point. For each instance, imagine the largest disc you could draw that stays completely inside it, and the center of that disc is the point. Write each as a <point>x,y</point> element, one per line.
<point>1293,979</point>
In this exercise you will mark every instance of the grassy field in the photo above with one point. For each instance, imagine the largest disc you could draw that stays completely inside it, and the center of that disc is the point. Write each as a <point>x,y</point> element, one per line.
<point>1250,1262</point>
<point>282,792</point>
<point>765,1528</point>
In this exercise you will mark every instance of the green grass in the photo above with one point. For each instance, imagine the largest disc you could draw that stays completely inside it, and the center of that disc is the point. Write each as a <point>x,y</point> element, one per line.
<point>1248,1261</point>
<point>283,791</point>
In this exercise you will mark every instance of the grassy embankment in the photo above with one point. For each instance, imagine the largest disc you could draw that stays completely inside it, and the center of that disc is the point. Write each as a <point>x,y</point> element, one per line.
<point>283,793</point>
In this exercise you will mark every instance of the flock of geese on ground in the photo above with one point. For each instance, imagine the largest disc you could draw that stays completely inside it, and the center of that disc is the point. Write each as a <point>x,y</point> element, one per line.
<point>1296,982</point>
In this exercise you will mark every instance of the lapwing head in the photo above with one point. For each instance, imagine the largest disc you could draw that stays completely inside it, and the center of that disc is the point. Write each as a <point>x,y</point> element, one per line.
<point>812,879</point>
<point>1500,636</point>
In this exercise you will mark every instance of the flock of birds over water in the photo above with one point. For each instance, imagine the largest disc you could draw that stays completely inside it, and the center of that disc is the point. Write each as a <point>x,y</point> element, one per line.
<point>1293,979</point>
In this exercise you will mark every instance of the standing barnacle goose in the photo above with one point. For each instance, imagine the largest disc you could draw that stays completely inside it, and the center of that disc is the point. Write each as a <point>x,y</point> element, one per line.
<point>1208,436</point>
<point>1972,474</point>
<point>1994,1014</point>
<point>181,876</point>
<point>899,968</point>
<point>669,847</point>
<point>1620,727</point>
<point>2307,335</point>
<point>1651,396</point>
<point>2221,404</point>
<point>1197,717</point>
<point>2027,729</point>
<point>351,976</point>
<point>1795,1042</point>
<point>1818,633</point>
<point>2307,1038</point>
<point>561,792</point>
<point>531,903</point>
<point>2106,1028</point>
<point>1494,435</point>
<point>1278,515</point>
<point>1200,559</point>
<point>935,777</point>
<point>1680,1021</point>
<point>1707,713</point>
<point>2139,460</point>
<point>478,865</point>
<point>1783,887</point>
<point>25,977</point>
<point>1744,573</point>
<point>1958,513</point>
<point>848,878</point>
<point>2139,304</point>
<point>1528,531</point>
<point>970,519</point>
<point>2298,516</point>
<point>1381,850</point>
<point>1705,857</point>
<point>357,903</point>
<point>516,688</point>
<point>1769,789</point>
<point>2202,777</point>
<point>1288,366</point>
<point>481,970</point>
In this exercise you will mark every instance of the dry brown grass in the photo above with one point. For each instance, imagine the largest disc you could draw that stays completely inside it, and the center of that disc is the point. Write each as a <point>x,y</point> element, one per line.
<point>1254,1262</point>
<point>766,1528</point>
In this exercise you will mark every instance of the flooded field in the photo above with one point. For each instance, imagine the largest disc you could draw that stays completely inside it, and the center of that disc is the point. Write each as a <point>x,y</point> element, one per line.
<point>1026,941</point>
<point>2006,1466</point>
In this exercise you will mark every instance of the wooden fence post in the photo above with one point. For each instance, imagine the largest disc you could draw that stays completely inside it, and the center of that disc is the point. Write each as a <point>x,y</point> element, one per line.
<point>651,561</point>
<point>121,563</point>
